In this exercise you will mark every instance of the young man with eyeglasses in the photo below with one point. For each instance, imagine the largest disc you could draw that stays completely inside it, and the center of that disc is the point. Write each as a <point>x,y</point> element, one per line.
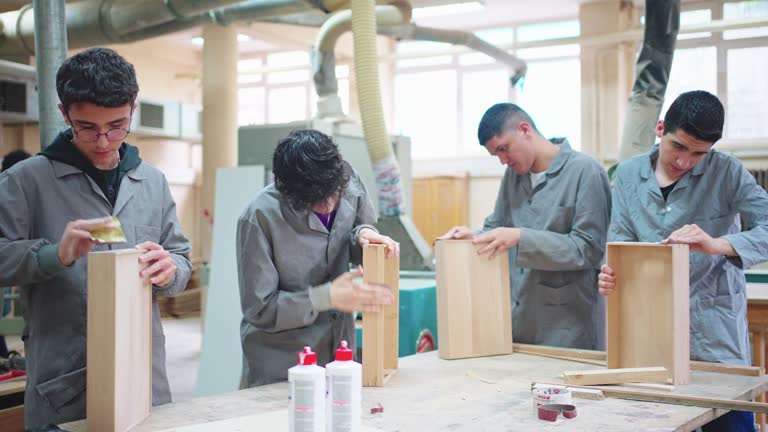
<point>48,206</point>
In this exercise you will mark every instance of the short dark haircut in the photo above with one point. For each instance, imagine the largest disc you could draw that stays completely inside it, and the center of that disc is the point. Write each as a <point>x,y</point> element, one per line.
<point>698,113</point>
<point>99,76</point>
<point>13,158</point>
<point>500,117</point>
<point>308,168</point>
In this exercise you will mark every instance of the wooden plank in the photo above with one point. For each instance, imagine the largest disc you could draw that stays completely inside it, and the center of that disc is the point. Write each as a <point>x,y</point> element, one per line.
<point>616,376</point>
<point>650,386</point>
<point>474,316</point>
<point>558,352</point>
<point>727,368</point>
<point>584,356</point>
<point>12,419</point>
<point>380,329</point>
<point>119,354</point>
<point>648,314</point>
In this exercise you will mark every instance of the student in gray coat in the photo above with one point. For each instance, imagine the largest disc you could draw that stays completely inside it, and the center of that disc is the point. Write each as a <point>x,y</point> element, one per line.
<point>48,205</point>
<point>685,191</point>
<point>551,217</point>
<point>295,242</point>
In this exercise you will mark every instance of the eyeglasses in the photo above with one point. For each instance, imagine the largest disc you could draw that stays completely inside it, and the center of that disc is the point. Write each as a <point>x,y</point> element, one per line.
<point>91,135</point>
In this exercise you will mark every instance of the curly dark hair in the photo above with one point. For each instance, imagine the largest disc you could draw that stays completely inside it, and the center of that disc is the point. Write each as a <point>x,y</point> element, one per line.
<point>308,168</point>
<point>99,76</point>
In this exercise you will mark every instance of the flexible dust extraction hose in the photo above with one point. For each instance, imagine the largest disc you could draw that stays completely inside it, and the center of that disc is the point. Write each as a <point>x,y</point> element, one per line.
<point>323,56</point>
<point>385,165</point>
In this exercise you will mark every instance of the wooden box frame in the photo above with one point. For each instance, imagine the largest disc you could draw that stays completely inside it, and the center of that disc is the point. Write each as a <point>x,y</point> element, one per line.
<point>381,329</point>
<point>648,313</point>
<point>474,314</point>
<point>119,373</point>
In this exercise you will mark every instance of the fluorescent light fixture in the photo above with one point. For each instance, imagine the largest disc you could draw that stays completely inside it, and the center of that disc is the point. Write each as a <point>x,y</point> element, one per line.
<point>199,41</point>
<point>448,9</point>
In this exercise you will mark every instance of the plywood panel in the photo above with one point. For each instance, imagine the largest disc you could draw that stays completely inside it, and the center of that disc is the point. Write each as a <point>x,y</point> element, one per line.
<point>648,315</point>
<point>474,316</point>
<point>221,358</point>
<point>380,329</point>
<point>119,373</point>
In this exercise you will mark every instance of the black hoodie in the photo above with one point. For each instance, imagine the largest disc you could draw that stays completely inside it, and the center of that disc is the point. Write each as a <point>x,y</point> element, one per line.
<point>63,150</point>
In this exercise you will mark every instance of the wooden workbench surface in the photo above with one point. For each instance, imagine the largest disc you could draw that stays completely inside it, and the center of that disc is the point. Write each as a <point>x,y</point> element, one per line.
<point>491,393</point>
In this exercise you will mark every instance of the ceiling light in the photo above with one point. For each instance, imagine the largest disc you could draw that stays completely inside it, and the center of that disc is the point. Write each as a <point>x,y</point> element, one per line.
<point>448,9</point>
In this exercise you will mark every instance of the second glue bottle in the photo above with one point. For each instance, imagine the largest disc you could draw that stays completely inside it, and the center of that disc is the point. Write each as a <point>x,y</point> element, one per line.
<point>345,386</point>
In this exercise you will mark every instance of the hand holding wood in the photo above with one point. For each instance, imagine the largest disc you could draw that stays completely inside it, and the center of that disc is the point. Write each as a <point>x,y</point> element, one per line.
<point>606,280</point>
<point>349,296</point>
<point>160,266</point>
<point>498,240</point>
<point>699,241</point>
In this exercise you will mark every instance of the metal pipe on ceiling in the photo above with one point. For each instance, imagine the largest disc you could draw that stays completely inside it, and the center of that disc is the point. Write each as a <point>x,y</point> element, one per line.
<point>95,22</point>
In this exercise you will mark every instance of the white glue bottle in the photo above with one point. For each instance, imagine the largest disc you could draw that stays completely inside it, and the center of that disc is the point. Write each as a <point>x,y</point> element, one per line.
<point>345,387</point>
<point>306,394</point>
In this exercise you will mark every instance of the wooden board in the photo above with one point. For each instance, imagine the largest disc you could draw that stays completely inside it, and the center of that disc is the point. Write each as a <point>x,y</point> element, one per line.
<point>474,316</point>
<point>616,376</point>
<point>648,316</point>
<point>380,329</point>
<point>119,374</point>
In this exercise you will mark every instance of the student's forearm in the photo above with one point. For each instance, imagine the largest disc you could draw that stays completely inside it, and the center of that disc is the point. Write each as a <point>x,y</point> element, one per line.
<point>724,247</point>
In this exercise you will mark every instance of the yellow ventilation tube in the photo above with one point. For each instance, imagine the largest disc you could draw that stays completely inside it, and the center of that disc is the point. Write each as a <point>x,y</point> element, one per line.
<point>385,165</point>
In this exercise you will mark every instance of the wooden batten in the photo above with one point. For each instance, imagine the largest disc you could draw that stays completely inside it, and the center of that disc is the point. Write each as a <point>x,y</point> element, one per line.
<point>381,329</point>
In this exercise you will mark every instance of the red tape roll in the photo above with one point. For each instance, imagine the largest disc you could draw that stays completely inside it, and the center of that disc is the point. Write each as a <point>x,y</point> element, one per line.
<point>549,412</point>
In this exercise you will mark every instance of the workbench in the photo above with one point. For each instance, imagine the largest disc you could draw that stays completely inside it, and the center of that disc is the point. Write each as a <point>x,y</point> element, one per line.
<point>490,393</point>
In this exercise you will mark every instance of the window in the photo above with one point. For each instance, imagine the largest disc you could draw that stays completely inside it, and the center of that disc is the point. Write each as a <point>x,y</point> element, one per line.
<point>287,104</point>
<point>747,91</point>
<point>426,112</point>
<point>551,30</point>
<point>252,106</point>
<point>745,9</point>
<point>551,94</point>
<point>479,91</point>
<point>692,69</point>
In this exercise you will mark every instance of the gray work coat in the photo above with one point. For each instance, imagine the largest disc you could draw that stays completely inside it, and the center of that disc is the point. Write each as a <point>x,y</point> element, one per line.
<point>553,270</point>
<point>712,195</point>
<point>38,197</point>
<point>286,260</point>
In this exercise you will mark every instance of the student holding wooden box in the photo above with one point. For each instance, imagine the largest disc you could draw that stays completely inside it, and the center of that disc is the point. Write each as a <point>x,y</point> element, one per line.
<point>552,215</point>
<point>295,242</point>
<point>48,205</point>
<point>684,191</point>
